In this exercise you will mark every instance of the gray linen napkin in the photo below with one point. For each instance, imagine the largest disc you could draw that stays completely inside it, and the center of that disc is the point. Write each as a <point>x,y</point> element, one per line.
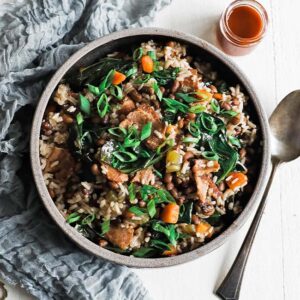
<point>36,37</point>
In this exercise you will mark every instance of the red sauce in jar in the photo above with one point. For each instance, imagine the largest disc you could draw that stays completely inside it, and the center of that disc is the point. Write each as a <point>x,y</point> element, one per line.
<point>242,26</point>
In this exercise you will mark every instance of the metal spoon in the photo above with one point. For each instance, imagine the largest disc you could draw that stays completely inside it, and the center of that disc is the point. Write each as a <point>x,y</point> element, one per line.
<point>285,143</point>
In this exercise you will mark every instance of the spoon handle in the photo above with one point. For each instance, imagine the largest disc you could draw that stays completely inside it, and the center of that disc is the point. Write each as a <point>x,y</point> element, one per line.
<point>231,285</point>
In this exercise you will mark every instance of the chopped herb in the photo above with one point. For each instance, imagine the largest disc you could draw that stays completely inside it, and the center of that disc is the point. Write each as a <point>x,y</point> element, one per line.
<point>79,118</point>
<point>88,219</point>
<point>106,82</point>
<point>93,89</point>
<point>159,244</point>
<point>73,217</point>
<point>194,129</point>
<point>151,208</point>
<point>175,106</point>
<point>142,79</point>
<point>196,109</point>
<point>152,54</point>
<point>105,226</point>
<point>215,106</point>
<point>165,76</point>
<point>132,192</point>
<point>144,252</point>
<point>119,132</point>
<point>186,97</point>
<point>132,71</point>
<point>234,141</point>
<point>193,140</point>
<point>85,105</point>
<point>228,157</point>
<point>185,215</point>
<point>158,173</point>
<point>116,91</point>
<point>138,211</point>
<point>228,113</point>
<point>210,155</point>
<point>102,105</point>
<point>137,54</point>
<point>146,131</point>
<point>125,156</point>
<point>157,91</point>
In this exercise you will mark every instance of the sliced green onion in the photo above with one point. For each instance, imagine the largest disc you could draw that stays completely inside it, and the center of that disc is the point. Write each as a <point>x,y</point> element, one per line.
<point>116,91</point>
<point>209,123</point>
<point>137,54</point>
<point>137,210</point>
<point>146,131</point>
<point>102,105</point>
<point>93,89</point>
<point>157,91</point>
<point>73,217</point>
<point>132,192</point>
<point>119,132</point>
<point>196,109</point>
<point>85,105</point>
<point>176,105</point>
<point>229,113</point>
<point>151,208</point>
<point>215,106</point>
<point>142,79</point>
<point>210,155</point>
<point>152,54</point>
<point>106,82</point>
<point>79,118</point>
<point>194,129</point>
<point>125,156</point>
<point>159,244</point>
<point>186,97</point>
<point>234,141</point>
<point>144,252</point>
<point>191,140</point>
<point>158,173</point>
<point>88,219</point>
<point>105,226</point>
<point>132,71</point>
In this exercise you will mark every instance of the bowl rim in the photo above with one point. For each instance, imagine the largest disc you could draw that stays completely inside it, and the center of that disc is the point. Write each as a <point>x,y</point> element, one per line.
<point>88,245</point>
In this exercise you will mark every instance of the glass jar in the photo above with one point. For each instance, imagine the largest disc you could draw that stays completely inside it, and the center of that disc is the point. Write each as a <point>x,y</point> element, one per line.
<point>242,26</point>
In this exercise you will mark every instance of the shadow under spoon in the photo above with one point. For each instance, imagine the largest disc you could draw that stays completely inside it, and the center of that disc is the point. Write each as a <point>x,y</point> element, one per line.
<point>285,143</point>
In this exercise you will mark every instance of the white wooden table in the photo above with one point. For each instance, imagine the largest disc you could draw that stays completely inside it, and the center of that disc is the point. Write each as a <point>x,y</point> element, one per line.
<point>273,270</point>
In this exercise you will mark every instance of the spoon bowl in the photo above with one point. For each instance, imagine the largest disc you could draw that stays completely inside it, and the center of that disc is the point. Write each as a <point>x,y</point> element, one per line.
<point>285,128</point>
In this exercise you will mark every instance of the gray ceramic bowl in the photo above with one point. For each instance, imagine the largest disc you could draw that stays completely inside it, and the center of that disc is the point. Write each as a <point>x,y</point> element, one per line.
<point>227,69</point>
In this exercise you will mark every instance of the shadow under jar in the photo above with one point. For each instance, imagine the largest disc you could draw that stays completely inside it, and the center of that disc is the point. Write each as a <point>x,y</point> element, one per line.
<point>242,26</point>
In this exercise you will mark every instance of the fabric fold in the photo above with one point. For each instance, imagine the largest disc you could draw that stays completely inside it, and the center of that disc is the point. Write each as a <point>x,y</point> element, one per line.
<point>36,37</point>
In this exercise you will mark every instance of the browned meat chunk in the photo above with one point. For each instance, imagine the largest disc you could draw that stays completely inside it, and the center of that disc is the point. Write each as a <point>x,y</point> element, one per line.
<point>61,163</point>
<point>115,175</point>
<point>120,237</point>
<point>216,193</point>
<point>201,169</point>
<point>144,176</point>
<point>127,106</point>
<point>140,117</point>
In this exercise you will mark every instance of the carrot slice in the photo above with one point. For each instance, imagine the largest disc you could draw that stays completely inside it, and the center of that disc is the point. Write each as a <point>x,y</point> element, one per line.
<point>218,96</point>
<point>170,213</point>
<point>204,95</point>
<point>118,78</point>
<point>172,251</point>
<point>202,227</point>
<point>236,180</point>
<point>147,64</point>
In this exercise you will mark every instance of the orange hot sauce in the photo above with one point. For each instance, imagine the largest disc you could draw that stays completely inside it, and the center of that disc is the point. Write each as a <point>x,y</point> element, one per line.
<point>242,26</point>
